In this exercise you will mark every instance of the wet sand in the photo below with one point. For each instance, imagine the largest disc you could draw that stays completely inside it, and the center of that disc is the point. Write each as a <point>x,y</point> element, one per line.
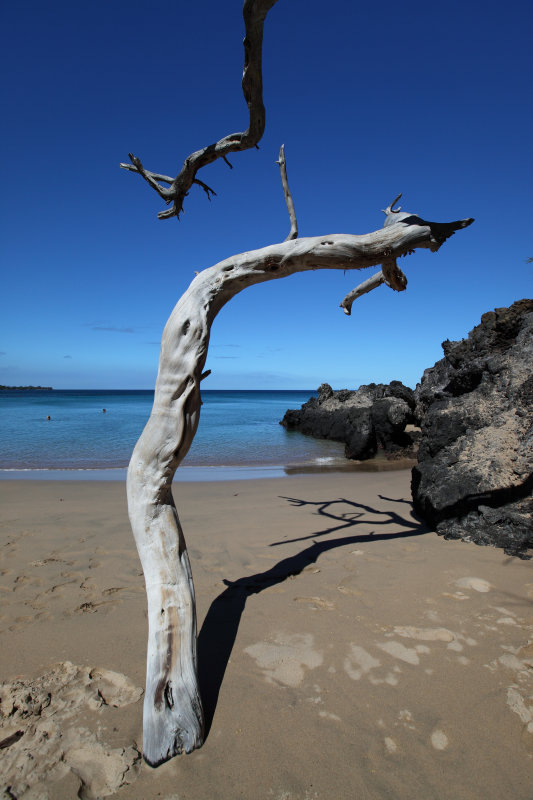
<point>345,651</point>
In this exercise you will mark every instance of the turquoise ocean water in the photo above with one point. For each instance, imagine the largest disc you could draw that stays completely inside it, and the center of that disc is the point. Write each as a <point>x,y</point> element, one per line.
<point>237,429</point>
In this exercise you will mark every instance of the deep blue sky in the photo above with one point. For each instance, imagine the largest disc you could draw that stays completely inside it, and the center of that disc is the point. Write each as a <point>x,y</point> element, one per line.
<point>371,99</point>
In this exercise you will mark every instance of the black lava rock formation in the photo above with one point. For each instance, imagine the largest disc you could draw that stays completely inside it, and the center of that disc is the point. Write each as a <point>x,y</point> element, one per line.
<point>372,417</point>
<point>474,477</point>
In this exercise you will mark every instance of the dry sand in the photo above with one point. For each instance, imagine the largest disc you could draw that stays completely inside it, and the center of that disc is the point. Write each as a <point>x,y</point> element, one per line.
<point>345,652</point>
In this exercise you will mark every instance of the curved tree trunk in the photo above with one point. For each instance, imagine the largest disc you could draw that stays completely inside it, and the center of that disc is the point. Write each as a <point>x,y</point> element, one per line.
<point>173,716</point>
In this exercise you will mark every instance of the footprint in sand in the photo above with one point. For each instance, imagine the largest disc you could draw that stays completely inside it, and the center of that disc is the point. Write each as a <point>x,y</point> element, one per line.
<point>351,591</point>
<point>100,770</point>
<point>351,586</point>
<point>87,608</point>
<point>22,581</point>
<point>72,574</point>
<point>52,559</point>
<point>434,635</point>
<point>425,634</point>
<point>19,623</point>
<point>43,741</point>
<point>88,585</point>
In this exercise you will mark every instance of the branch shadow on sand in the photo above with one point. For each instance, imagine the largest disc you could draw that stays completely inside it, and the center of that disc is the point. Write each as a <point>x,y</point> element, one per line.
<point>221,624</point>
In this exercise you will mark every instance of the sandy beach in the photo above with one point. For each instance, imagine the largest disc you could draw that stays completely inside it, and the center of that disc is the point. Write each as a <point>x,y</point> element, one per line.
<point>345,651</point>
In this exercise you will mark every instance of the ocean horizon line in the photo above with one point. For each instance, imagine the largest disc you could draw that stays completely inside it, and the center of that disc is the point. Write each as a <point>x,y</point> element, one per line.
<point>103,390</point>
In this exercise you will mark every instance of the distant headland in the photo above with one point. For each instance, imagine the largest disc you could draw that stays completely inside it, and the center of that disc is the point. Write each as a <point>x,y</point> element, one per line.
<point>28,388</point>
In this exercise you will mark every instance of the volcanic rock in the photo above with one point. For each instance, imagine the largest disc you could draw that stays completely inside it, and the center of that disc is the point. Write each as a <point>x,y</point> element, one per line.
<point>370,418</point>
<point>474,475</point>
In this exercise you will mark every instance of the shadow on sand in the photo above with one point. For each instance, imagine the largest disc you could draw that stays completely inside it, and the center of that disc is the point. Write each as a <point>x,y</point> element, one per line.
<point>219,630</point>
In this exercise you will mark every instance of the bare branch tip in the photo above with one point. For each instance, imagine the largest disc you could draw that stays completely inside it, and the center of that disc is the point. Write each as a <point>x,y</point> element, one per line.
<point>293,233</point>
<point>207,189</point>
<point>390,209</point>
<point>169,212</point>
<point>254,12</point>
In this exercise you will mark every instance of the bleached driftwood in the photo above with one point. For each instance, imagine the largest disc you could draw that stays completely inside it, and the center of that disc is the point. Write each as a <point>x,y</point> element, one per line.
<point>173,715</point>
<point>173,719</point>
<point>293,233</point>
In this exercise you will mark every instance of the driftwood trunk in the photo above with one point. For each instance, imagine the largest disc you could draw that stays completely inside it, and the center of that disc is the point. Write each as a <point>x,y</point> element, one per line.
<point>173,716</point>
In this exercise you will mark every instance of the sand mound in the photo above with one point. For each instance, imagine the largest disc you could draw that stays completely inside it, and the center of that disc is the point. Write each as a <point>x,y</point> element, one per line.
<point>45,733</point>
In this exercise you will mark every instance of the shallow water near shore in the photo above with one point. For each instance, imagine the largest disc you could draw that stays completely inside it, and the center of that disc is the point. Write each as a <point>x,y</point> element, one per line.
<point>97,430</point>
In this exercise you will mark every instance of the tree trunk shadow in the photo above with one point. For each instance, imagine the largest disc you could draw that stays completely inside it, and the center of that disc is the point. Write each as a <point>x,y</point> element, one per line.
<point>221,624</point>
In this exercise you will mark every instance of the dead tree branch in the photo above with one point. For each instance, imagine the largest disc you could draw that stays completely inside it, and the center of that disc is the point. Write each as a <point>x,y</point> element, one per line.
<point>254,14</point>
<point>390,273</point>
<point>364,287</point>
<point>293,233</point>
<point>173,716</point>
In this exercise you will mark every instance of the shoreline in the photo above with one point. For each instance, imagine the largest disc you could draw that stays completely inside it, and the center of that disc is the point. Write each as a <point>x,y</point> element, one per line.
<point>206,473</point>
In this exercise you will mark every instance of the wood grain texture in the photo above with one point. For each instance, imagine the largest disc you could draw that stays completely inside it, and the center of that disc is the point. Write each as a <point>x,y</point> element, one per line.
<point>173,716</point>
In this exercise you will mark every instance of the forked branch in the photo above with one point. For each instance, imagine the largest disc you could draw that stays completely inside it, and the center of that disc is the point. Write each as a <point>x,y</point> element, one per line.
<point>390,210</point>
<point>254,13</point>
<point>390,273</point>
